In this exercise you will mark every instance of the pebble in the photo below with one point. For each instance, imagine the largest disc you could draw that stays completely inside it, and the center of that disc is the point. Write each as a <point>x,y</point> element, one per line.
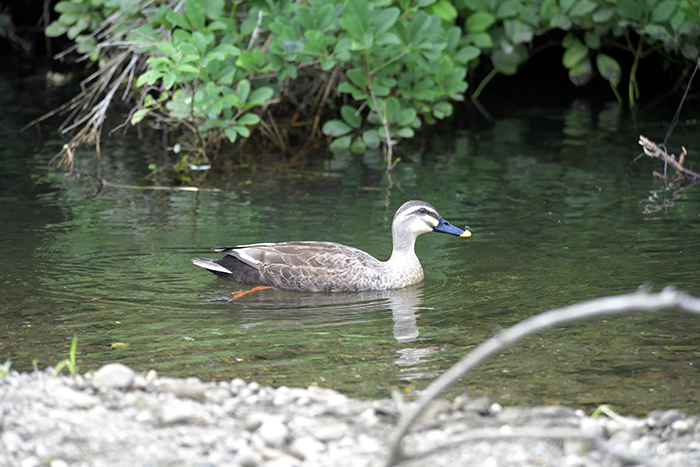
<point>71,398</point>
<point>273,432</point>
<point>11,440</point>
<point>176,411</point>
<point>191,388</point>
<point>120,418</point>
<point>246,457</point>
<point>306,447</point>
<point>113,375</point>
<point>330,432</point>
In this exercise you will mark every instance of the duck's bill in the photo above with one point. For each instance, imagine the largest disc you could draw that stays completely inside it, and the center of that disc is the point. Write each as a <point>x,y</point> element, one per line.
<point>445,227</point>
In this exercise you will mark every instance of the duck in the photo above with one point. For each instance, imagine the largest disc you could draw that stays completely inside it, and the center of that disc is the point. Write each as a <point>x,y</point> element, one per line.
<point>317,266</point>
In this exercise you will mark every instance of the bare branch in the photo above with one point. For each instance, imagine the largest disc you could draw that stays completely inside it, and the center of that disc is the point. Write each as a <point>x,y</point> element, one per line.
<point>639,301</point>
<point>652,150</point>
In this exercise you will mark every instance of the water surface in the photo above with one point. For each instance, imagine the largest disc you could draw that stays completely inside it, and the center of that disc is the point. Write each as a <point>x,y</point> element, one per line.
<point>556,219</point>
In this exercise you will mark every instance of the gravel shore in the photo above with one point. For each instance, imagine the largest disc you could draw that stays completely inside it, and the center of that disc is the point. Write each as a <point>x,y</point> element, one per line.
<point>119,418</point>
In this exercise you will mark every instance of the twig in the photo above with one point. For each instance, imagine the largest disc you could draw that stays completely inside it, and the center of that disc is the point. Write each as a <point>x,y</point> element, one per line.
<point>382,118</point>
<point>652,150</point>
<point>639,301</point>
<point>157,187</point>
<point>329,87</point>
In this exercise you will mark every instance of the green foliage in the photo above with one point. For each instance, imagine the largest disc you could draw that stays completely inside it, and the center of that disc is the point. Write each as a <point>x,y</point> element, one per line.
<point>5,368</point>
<point>502,29</point>
<point>70,361</point>
<point>215,66</point>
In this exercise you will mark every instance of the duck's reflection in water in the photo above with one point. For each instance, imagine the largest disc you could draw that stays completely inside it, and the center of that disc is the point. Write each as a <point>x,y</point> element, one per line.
<point>321,311</point>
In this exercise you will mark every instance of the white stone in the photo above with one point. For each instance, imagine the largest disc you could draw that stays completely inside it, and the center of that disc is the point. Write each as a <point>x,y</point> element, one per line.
<point>273,432</point>
<point>11,440</point>
<point>75,399</point>
<point>246,457</point>
<point>306,447</point>
<point>113,375</point>
<point>330,432</point>
<point>176,411</point>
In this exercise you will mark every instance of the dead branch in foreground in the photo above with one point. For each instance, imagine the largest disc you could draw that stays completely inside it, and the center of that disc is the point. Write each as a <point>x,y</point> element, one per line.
<point>639,301</point>
<point>652,150</point>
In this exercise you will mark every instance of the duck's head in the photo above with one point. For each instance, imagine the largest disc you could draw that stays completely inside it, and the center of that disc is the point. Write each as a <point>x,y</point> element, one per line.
<point>414,218</point>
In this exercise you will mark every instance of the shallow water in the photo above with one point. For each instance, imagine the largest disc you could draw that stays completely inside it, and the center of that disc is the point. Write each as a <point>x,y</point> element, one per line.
<point>555,220</point>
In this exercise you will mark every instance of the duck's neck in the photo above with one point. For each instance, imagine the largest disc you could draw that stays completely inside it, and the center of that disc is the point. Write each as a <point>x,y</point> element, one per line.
<point>403,248</point>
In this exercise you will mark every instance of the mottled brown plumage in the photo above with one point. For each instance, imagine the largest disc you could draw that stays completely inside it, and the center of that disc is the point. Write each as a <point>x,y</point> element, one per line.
<point>332,267</point>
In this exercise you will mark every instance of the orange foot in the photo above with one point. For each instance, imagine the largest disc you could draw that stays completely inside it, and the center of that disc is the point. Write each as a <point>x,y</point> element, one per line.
<point>240,293</point>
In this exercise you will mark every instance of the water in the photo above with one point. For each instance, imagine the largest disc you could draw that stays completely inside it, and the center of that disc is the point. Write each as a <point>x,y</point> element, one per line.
<point>555,220</point>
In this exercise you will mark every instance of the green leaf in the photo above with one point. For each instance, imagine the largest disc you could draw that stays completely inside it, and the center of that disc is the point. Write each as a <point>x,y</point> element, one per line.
<point>243,90</point>
<point>632,9</point>
<point>244,131</point>
<point>351,116</point>
<point>581,73</point>
<point>481,40</point>
<point>678,21</point>
<point>663,11</point>
<point>261,95</point>
<point>385,20</point>
<point>356,16</point>
<point>222,51</point>
<point>195,13</point>
<point>231,134</point>
<point>138,116</point>
<point>248,119</point>
<point>507,61</point>
<point>350,89</point>
<point>200,42</point>
<point>336,128</point>
<point>442,110</point>
<point>169,79</point>
<point>358,146</point>
<point>167,48</point>
<point>187,68</point>
<point>479,22</point>
<point>689,51</point>
<point>574,55</point>
<point>517,31</point>
<point>358,77</point>
<point>582,8</point>
<point>327,64</point>
<point>68,6</point>
<point>371,139</point>
<point>445,10</point>
<point>407,116</point>
<point>179,20</point>
<point>592,40</point>
<point>213,8</point>
<point>55,29</point>
<point>392,108</point>
<point>149,77</point>
<point>602,15</point>
<point>609,68</point>
<point>406,132</point>
<point>341,144</point>
<point>466,54</point>
<point>387,38</point>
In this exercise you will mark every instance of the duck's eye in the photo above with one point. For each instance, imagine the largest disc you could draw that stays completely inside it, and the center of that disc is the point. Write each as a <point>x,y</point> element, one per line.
<point>422,211</point>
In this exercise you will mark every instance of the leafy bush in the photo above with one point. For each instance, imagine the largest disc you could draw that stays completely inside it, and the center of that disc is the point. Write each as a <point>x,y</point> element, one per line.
<point>503,29</point>
<point>217,67</point>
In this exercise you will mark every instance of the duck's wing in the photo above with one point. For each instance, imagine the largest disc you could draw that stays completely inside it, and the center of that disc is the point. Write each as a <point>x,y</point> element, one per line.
<point>309,266</point>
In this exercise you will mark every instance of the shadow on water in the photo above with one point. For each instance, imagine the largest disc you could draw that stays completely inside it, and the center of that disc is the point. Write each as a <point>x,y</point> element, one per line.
<point>555,221</point>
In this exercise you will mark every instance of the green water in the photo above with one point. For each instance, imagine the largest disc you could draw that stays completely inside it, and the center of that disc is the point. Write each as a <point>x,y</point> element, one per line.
<point>555,220</point>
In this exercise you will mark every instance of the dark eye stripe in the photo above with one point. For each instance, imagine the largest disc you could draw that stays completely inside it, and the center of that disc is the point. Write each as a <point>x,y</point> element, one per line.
<point>425,211</point>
